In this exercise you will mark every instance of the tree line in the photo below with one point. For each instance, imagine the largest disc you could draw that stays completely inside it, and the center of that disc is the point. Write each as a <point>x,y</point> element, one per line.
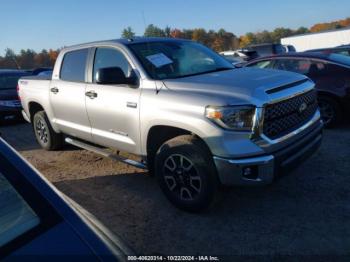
<point>219,40</point>
<point>222,40</point>
<point>28,59</point>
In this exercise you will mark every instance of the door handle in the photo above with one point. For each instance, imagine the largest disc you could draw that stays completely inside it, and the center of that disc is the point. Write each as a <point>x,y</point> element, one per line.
<point>54,90</point>
<point>91,94</point>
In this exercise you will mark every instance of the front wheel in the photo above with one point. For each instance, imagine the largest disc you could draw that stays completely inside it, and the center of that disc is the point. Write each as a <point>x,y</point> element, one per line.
<point>47,138</point>
<point>186,173</point>
<point>330,111</point>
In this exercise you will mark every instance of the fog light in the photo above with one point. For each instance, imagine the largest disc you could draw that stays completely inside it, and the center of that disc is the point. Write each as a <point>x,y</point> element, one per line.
<point>250,172</point>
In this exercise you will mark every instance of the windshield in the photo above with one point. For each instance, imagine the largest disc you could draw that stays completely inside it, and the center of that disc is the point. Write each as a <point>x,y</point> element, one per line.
<point>175,59</point>
<point>9,81</point>
<point>16,217</point>
<point>342,59</point>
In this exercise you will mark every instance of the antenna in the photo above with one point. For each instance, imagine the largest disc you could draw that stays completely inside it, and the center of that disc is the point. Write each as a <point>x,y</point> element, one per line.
<point>15,61</point>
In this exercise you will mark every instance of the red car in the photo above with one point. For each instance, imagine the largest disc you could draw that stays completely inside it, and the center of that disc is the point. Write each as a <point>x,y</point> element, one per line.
<point>330,72</point>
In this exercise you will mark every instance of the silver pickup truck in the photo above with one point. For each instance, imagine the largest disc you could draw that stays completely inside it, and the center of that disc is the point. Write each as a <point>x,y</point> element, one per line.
<point>190,117</point>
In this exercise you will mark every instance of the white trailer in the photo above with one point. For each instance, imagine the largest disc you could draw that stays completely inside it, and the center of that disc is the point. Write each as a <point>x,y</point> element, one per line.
<point>331,38</point>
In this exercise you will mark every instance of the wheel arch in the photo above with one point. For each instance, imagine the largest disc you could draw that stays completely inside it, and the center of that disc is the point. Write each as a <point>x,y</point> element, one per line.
<point>159,134</point>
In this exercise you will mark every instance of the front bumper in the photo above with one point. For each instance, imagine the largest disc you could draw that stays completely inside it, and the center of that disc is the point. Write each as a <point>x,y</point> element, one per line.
<point>262,170</point>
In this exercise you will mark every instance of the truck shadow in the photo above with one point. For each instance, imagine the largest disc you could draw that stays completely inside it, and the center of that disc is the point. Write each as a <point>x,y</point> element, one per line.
<point>302,212</point>
<point>19,135</point>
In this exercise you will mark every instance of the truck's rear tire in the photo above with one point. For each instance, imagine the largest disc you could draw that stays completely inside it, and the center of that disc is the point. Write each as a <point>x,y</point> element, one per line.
<point>186,173</point>
<point>47,138</point>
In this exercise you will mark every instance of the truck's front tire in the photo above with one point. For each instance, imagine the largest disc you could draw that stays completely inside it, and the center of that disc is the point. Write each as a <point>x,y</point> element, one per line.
<point>186,173</point>
<point>47,138</point>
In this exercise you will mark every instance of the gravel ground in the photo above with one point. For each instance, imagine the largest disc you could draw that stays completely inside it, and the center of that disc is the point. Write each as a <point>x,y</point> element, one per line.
<point>304,213</point>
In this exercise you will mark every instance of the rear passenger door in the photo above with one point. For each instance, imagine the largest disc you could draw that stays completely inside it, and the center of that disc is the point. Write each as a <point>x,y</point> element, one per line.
<point>67,94</point>
<point>114,109</point>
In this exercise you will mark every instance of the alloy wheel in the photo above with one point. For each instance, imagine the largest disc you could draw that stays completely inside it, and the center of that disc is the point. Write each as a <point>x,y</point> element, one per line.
<point>182,177</point>
<point>327,112</point>
<point>41,131</point>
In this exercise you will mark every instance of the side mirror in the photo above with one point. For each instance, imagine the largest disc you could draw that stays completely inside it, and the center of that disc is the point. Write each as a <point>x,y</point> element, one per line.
<point>114,75</point>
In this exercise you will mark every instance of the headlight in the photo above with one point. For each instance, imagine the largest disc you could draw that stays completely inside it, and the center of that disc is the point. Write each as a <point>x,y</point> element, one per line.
<point>239,118</point>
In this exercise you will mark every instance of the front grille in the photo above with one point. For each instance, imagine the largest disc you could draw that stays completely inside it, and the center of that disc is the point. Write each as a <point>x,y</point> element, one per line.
<point>288,115</point>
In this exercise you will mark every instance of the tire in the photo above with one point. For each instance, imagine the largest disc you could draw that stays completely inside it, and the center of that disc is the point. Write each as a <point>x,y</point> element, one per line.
<point>331,113</point>
<point>47,138</point>
<point>192,185</point>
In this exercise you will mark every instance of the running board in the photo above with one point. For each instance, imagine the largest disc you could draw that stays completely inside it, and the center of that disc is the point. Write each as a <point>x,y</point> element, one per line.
<point>104,153</point>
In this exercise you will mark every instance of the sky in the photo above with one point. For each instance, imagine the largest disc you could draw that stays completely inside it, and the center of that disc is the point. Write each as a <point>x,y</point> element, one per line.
<point>39,24</point>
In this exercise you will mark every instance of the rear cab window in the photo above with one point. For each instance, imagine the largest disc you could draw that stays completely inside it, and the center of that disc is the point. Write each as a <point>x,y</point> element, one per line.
<point>73,66</point>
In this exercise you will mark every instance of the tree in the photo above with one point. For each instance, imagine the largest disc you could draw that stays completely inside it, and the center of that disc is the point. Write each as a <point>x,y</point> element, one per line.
<point>247,39</point>
<point>200,35</point>
<point>53,54</point>
<point>42,59</point>
<point>176,33</point>
<point>128,33</point>
<point>9,61</point>
<point>167,31</point>
<point>280,32</point>
<point>154,31</point>
<point>301,30</point>
<point>187,33</point>
<point>263,37</point>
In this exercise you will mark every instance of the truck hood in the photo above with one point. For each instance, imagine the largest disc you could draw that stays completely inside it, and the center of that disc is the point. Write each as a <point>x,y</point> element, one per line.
<point>245,85</point>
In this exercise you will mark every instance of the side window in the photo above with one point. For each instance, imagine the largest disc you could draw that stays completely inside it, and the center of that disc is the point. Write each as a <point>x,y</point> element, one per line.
<point>16,217</point>
<point>110,57</point>
<point>301,66</point>
<point>343,52</point>
<point>262,64</point>
<point>74,65</point>
<point>9,82</point>
<point>317,68</point>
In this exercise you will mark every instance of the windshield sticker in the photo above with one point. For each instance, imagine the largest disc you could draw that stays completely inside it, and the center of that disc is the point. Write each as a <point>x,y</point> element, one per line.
<point>159,60</point>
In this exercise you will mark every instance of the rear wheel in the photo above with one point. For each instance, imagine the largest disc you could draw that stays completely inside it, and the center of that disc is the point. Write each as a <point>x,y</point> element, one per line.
<point>186,173</point>
<point>47,138</point>
<point>331,113</point>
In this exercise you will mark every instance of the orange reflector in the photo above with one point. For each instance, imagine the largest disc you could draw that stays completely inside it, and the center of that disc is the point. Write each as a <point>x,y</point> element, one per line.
<point>215,114</point>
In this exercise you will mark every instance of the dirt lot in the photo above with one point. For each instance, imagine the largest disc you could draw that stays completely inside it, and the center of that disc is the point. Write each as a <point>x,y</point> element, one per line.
<point>305,213</point>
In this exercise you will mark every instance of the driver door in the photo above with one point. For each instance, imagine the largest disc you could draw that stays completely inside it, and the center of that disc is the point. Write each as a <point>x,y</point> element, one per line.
<point>113,110</point>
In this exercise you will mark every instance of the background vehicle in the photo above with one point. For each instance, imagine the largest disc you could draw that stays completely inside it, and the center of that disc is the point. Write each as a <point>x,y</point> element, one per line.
<point>10,106</point>
<point>47,73</point>
<point>270,49</point>
<point>192,117</point>
<point>330,72</point>
<point>232,59</point>
<point>240,54</point>
<point>341,50</point>
<point>324,39</point>
<point>39,221</point>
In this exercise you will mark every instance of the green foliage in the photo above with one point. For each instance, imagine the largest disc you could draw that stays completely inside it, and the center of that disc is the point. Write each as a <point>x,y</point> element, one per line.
<point>154,31</point>
<point>128,33</point>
